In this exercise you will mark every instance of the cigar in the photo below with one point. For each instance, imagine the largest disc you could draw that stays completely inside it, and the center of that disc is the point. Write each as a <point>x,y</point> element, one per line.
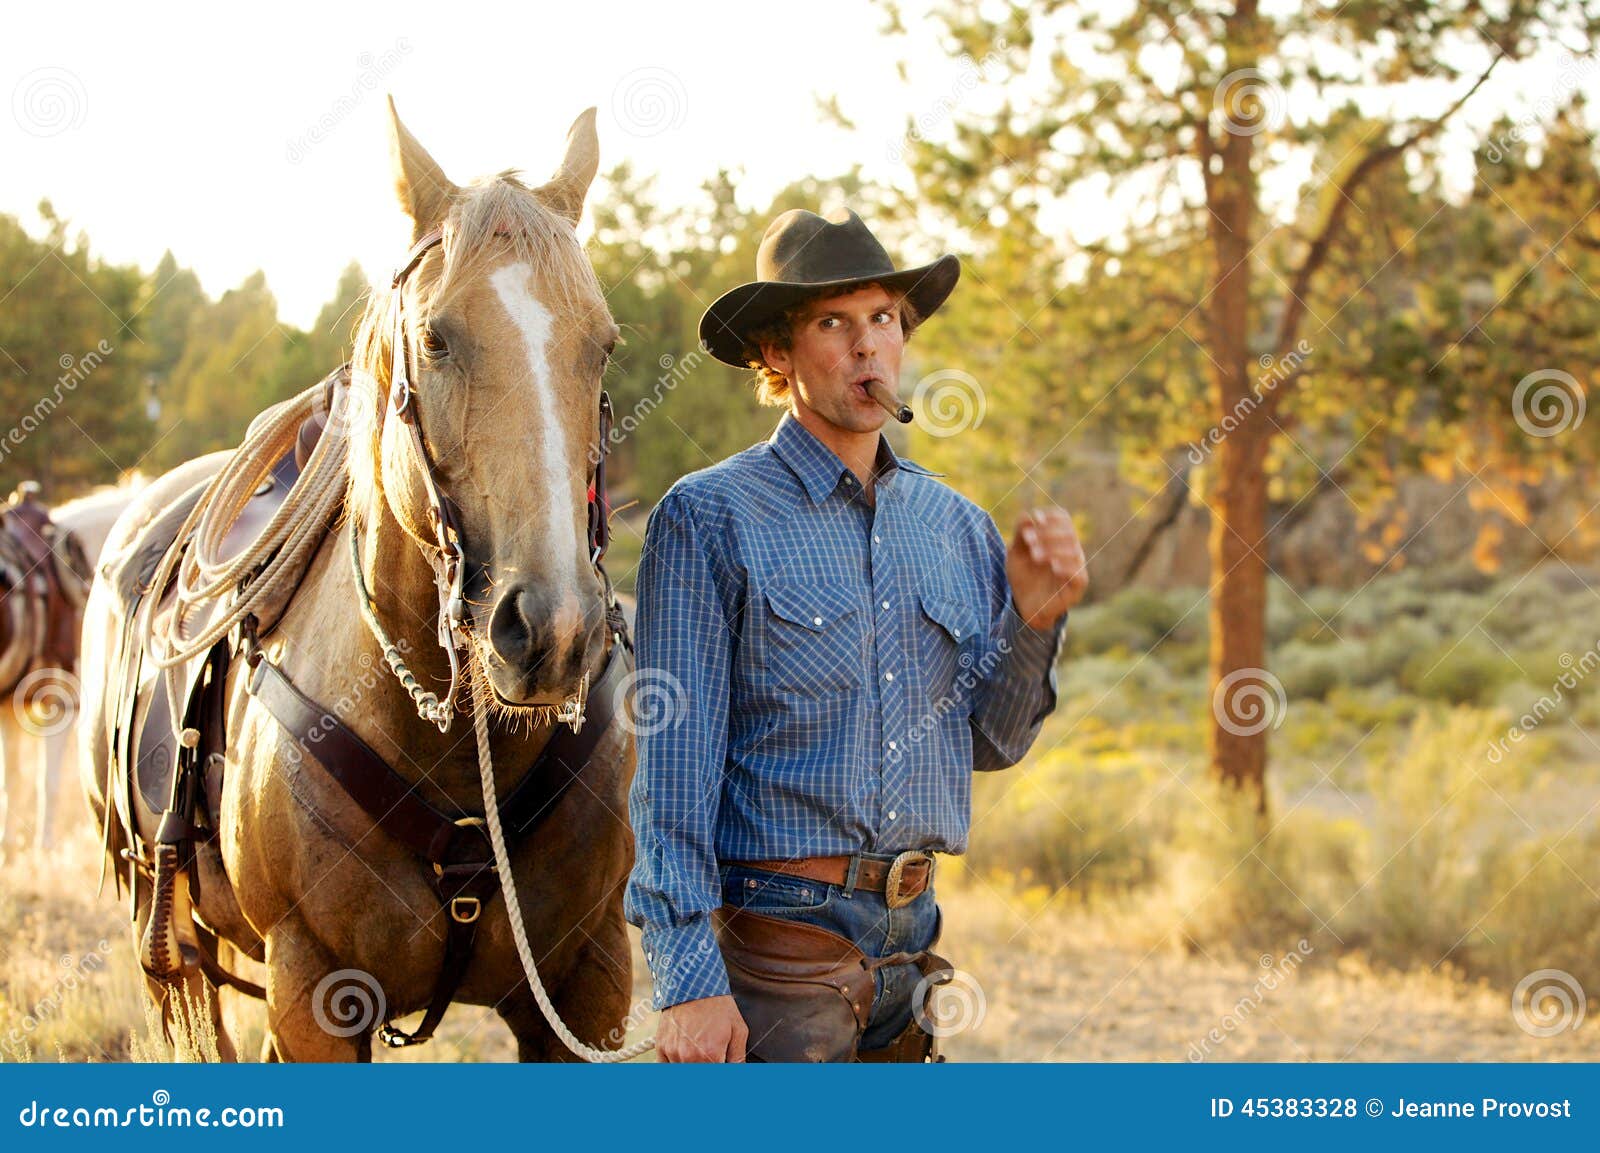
<point>885,396</point>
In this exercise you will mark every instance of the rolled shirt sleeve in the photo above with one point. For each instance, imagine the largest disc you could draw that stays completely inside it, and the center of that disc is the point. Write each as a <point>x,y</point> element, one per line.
<point>1011,703</point>
<point>681,722</point>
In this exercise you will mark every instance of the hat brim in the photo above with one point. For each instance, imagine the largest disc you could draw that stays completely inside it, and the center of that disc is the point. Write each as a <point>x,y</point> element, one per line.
<point>726,324</point>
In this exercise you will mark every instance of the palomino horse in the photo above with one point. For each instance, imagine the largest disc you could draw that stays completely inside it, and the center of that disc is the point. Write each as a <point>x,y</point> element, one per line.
<point>44,580</point>
<point>504,334</point>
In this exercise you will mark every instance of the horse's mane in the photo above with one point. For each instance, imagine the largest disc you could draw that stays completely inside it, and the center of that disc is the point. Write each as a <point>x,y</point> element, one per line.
<point>488,218</point>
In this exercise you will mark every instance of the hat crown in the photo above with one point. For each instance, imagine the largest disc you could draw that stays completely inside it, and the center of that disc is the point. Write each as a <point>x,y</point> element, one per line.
<point>802,247</point>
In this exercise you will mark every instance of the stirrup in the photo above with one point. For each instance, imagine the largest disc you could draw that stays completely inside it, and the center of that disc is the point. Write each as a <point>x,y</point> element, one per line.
<point>160,952</point>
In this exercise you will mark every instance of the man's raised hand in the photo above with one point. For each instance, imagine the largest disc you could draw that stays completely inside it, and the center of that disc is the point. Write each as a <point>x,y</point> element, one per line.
<point>1046,566</point>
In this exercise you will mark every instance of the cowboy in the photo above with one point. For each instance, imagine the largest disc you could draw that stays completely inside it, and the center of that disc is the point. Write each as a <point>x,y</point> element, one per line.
<point>841,640</point>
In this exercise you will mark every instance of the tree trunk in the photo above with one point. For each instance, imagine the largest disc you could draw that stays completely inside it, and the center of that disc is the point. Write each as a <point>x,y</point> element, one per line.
<point>1243,707</point>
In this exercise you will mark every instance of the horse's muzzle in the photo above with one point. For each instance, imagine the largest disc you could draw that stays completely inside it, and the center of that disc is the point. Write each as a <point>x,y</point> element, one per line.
<point>541,644</point>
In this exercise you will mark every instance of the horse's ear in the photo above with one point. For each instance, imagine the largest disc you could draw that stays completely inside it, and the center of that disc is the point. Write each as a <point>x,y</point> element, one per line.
<point>566,189</point>
<point>420,184</point>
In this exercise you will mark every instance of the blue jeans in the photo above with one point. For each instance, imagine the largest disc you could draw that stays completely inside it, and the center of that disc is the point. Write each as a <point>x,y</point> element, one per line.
<point>863,917</point>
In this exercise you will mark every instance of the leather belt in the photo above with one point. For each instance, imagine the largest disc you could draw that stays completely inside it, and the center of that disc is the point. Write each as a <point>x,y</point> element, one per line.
<point>900,881</point>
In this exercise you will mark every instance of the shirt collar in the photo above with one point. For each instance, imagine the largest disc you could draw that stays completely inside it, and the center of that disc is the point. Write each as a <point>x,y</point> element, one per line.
<point>819,468</point>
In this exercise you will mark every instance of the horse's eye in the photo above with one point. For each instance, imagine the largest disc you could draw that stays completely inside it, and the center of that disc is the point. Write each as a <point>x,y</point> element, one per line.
<point>433,345</point>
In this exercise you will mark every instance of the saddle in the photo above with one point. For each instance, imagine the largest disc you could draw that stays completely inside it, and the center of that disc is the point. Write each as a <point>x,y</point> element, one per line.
<point>146,742</point>
<point>163,773</point>
<point>45,563</point>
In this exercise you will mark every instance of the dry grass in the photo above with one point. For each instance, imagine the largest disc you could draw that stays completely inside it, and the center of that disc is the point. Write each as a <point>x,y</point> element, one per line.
<point>1058,981</point>
<point>1060,985</point>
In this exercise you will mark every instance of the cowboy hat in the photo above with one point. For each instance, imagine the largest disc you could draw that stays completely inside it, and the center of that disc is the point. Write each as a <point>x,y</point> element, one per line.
<point>803,255</point>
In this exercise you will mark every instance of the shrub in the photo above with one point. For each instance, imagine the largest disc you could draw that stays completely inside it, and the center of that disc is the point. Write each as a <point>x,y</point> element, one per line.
<point>1467,673</point>
<point>1311,672</point>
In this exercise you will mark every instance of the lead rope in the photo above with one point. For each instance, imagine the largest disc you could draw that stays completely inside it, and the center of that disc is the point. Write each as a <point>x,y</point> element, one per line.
<point>502,862</point>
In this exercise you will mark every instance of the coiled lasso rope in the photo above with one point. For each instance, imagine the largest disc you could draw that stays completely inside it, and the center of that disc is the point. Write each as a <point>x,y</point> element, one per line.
<point>273,561</point>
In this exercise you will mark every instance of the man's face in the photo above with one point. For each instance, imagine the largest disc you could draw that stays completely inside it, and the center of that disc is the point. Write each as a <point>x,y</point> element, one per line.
<point>835,347</point>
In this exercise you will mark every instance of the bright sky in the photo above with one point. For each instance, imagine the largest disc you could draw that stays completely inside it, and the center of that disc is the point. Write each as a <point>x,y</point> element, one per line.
<point>255,138</point>
<point>198,129</point>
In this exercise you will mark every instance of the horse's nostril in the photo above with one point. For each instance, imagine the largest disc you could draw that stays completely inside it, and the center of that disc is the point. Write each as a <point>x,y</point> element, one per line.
<point>517,627</point>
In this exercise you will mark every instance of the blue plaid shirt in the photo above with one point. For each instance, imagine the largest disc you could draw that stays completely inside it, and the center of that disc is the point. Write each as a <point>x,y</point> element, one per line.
<point>817,677</point>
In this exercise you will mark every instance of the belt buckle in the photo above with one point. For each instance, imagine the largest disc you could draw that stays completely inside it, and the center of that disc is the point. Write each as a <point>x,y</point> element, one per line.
<point>891,886</point>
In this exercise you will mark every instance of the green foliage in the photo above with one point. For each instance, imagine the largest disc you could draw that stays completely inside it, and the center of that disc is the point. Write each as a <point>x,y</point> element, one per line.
<point>1138,621</point>
<point>107,368</point>
<point>1463,673</point>
<point>71,370</point>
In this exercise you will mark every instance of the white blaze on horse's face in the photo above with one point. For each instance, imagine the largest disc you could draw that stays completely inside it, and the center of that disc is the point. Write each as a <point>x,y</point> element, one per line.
<point>528,436</point>
<point>551,459</point>
<point>552,462</point>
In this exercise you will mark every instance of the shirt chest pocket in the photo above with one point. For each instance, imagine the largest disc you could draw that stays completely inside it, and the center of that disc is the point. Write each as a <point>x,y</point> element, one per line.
<point>814,637</point>
<point>947,641</point>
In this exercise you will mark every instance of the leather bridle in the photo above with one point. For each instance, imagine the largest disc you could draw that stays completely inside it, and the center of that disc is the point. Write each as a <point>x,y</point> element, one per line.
<point>444,520</point>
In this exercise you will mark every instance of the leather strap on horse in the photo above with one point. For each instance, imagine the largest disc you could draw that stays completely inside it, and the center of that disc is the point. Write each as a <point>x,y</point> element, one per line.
<point>458,850</point>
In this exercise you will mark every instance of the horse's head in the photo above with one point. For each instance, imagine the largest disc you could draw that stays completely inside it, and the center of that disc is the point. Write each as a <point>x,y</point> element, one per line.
<point>507,333</point>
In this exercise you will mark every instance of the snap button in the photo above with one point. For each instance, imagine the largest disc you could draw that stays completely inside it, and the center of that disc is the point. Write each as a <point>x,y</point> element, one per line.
<point>816,620</point>
<point>888,676</point>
